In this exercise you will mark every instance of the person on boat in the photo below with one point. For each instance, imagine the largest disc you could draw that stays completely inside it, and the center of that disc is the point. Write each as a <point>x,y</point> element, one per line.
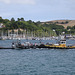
<point>13,45</point>
<point>47,43</point>
<point>35,43</point>
<point>19,42</point>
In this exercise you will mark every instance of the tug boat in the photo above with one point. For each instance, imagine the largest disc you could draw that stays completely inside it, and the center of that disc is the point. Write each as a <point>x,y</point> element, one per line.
<point>60,45</point>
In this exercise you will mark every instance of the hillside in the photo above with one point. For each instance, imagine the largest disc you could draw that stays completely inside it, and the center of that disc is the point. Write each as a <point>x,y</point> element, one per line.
<point>64,23</point>
<point>40,29</point>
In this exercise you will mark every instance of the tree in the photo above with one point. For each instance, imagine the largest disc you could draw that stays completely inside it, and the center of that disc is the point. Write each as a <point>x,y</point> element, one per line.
<point>18,19</point>
<point>66,22</point>
<point>5,21</point>
<point>68,27</point>
<point>73,27</point>
<point>1,20</point>
<point>22,19</point>
<point>12,19</point>
<point>29,21</point>
<point>62,22</point>
<point>38,22</point>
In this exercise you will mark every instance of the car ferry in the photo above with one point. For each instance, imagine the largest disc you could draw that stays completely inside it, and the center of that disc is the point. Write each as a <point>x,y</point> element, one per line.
<point>61,44</point>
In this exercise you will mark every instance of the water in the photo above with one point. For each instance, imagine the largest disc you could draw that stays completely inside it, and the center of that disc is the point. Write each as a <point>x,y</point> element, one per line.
<point>37,61</point>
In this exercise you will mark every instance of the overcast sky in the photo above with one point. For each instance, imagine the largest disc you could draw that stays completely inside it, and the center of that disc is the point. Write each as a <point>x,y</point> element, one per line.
<point>38,10</point>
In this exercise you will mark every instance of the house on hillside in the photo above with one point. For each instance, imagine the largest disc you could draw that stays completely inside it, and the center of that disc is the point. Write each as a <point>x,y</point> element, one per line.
<point>1,25</point>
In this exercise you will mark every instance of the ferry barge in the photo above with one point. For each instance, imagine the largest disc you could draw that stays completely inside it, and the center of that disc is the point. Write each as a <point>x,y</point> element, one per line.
<point>60,45</point>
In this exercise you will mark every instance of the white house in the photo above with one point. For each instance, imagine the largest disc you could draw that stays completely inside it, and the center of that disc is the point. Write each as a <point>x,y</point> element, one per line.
<point>1,25</point>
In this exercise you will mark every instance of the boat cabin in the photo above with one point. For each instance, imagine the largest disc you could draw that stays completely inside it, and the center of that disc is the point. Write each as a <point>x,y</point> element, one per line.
<point>62,42</point>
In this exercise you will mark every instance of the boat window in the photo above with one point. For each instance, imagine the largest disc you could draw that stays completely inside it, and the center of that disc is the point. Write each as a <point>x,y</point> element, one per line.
<point>62,42</point>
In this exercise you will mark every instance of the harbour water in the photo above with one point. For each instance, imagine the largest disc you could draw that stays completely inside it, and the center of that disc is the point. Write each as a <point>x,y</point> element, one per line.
<point>37,61</point>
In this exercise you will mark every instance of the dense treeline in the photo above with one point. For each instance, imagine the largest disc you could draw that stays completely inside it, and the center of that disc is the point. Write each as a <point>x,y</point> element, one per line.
<point>37,28</point>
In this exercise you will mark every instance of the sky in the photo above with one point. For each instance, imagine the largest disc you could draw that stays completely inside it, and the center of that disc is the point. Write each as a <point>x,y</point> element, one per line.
<point>38,10</point>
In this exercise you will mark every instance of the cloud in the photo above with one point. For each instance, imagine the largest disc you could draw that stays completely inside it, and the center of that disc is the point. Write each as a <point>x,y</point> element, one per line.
<point>5,1</point>
<point>18,1</point>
